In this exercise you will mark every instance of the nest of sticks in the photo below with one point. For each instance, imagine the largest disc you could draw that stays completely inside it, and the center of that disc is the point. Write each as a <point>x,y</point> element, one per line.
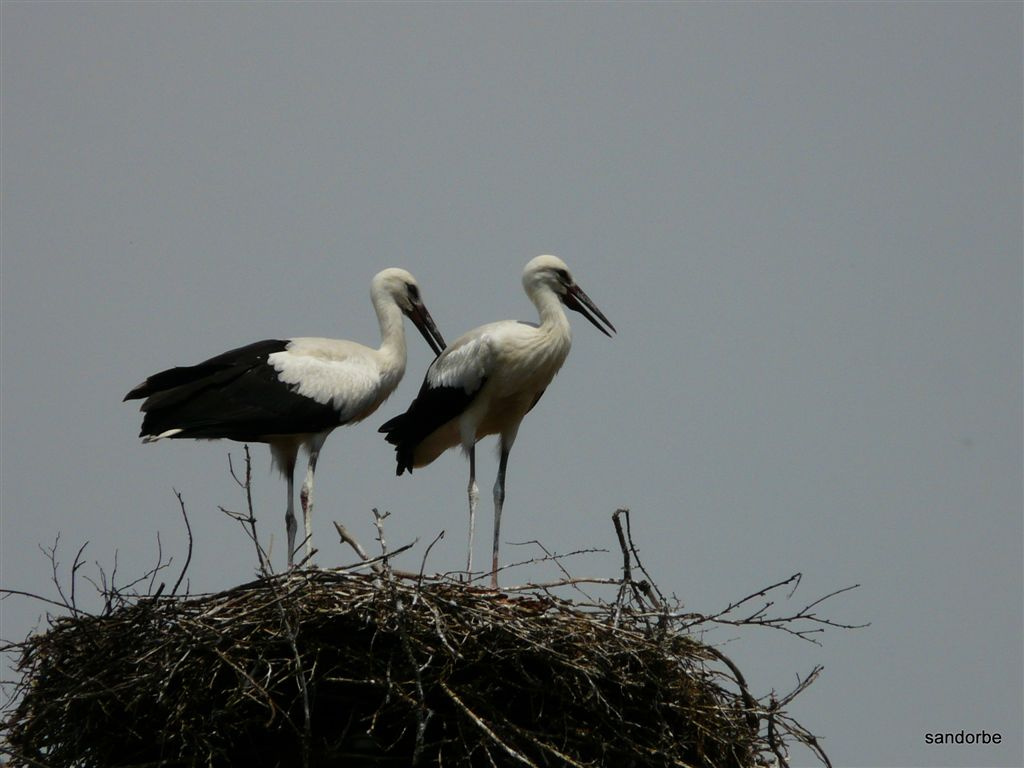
<point>367,666</point>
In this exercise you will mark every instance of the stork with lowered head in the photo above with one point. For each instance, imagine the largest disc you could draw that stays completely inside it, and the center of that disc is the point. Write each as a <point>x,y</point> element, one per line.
<point>289,393</point>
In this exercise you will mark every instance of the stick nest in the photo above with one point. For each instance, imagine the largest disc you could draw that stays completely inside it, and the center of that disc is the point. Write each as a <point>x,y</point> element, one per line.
<point>321,667</point>
<point>344,667</point>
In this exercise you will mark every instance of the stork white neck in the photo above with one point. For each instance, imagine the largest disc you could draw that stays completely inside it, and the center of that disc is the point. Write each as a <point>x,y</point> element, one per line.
<point>549,306</point>
<point>391,354</point>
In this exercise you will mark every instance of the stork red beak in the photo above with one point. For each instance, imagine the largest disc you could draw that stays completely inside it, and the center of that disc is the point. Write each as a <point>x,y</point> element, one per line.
<point>577,300</point>
<point>425,324</point>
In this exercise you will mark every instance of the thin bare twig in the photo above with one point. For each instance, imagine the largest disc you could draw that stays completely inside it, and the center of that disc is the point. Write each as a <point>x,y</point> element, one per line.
<point>485,728</point>
<point>426,553</point>
<point>248,520</point>
<point>347,538</point>
<point>791,624</point>
<point>188,555</point>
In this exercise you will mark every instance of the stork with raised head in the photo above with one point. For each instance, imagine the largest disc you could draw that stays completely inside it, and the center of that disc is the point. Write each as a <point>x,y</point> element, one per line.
<point>289,393</point>
<point>487,381</point>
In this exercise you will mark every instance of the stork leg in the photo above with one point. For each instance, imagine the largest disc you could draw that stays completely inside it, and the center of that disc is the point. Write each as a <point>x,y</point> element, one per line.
<point>306,494</point>
<point>284,454</point>
<point>287,466</point>
<point>474,498</point>
<point>289,519</point>
<point>306,497</point>
<point>499,500</point>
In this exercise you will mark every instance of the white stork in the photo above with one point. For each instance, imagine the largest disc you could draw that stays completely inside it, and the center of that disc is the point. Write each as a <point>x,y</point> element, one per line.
<point>289,393</point>
<point>487,381</point>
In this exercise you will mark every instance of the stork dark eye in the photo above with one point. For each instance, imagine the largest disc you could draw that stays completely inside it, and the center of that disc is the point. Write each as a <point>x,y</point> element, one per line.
<point>563,275</point>
<point>413,291</point>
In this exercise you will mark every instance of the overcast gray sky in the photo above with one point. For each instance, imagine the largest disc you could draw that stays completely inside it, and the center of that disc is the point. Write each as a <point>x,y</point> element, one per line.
<point>804,219</point>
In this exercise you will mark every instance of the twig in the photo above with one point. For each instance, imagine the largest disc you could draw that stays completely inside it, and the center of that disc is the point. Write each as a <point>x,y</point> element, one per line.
<point>153,572</point>
<point>378,523</point>
<point>348,538</point>
<point>648,584</point>
<point>188,556</point>
<point>485,728</point>
<point>76,564</point>
<point>760,618</point>
<point>426,554</point>
<point>48,601</point>
<point>423,712</point>
<point>535,560</point>
<point>557,560</point>
<point>248,521</point>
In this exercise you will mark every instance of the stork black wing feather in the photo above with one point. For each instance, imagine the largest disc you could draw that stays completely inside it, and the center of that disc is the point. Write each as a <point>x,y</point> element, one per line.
<point>188,374</point>
<point>235,395</point>
<point>432,408</point>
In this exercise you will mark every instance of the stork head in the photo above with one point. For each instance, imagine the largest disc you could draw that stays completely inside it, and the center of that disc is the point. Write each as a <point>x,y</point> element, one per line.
<point>401,287</point>
<point>550,272</point>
